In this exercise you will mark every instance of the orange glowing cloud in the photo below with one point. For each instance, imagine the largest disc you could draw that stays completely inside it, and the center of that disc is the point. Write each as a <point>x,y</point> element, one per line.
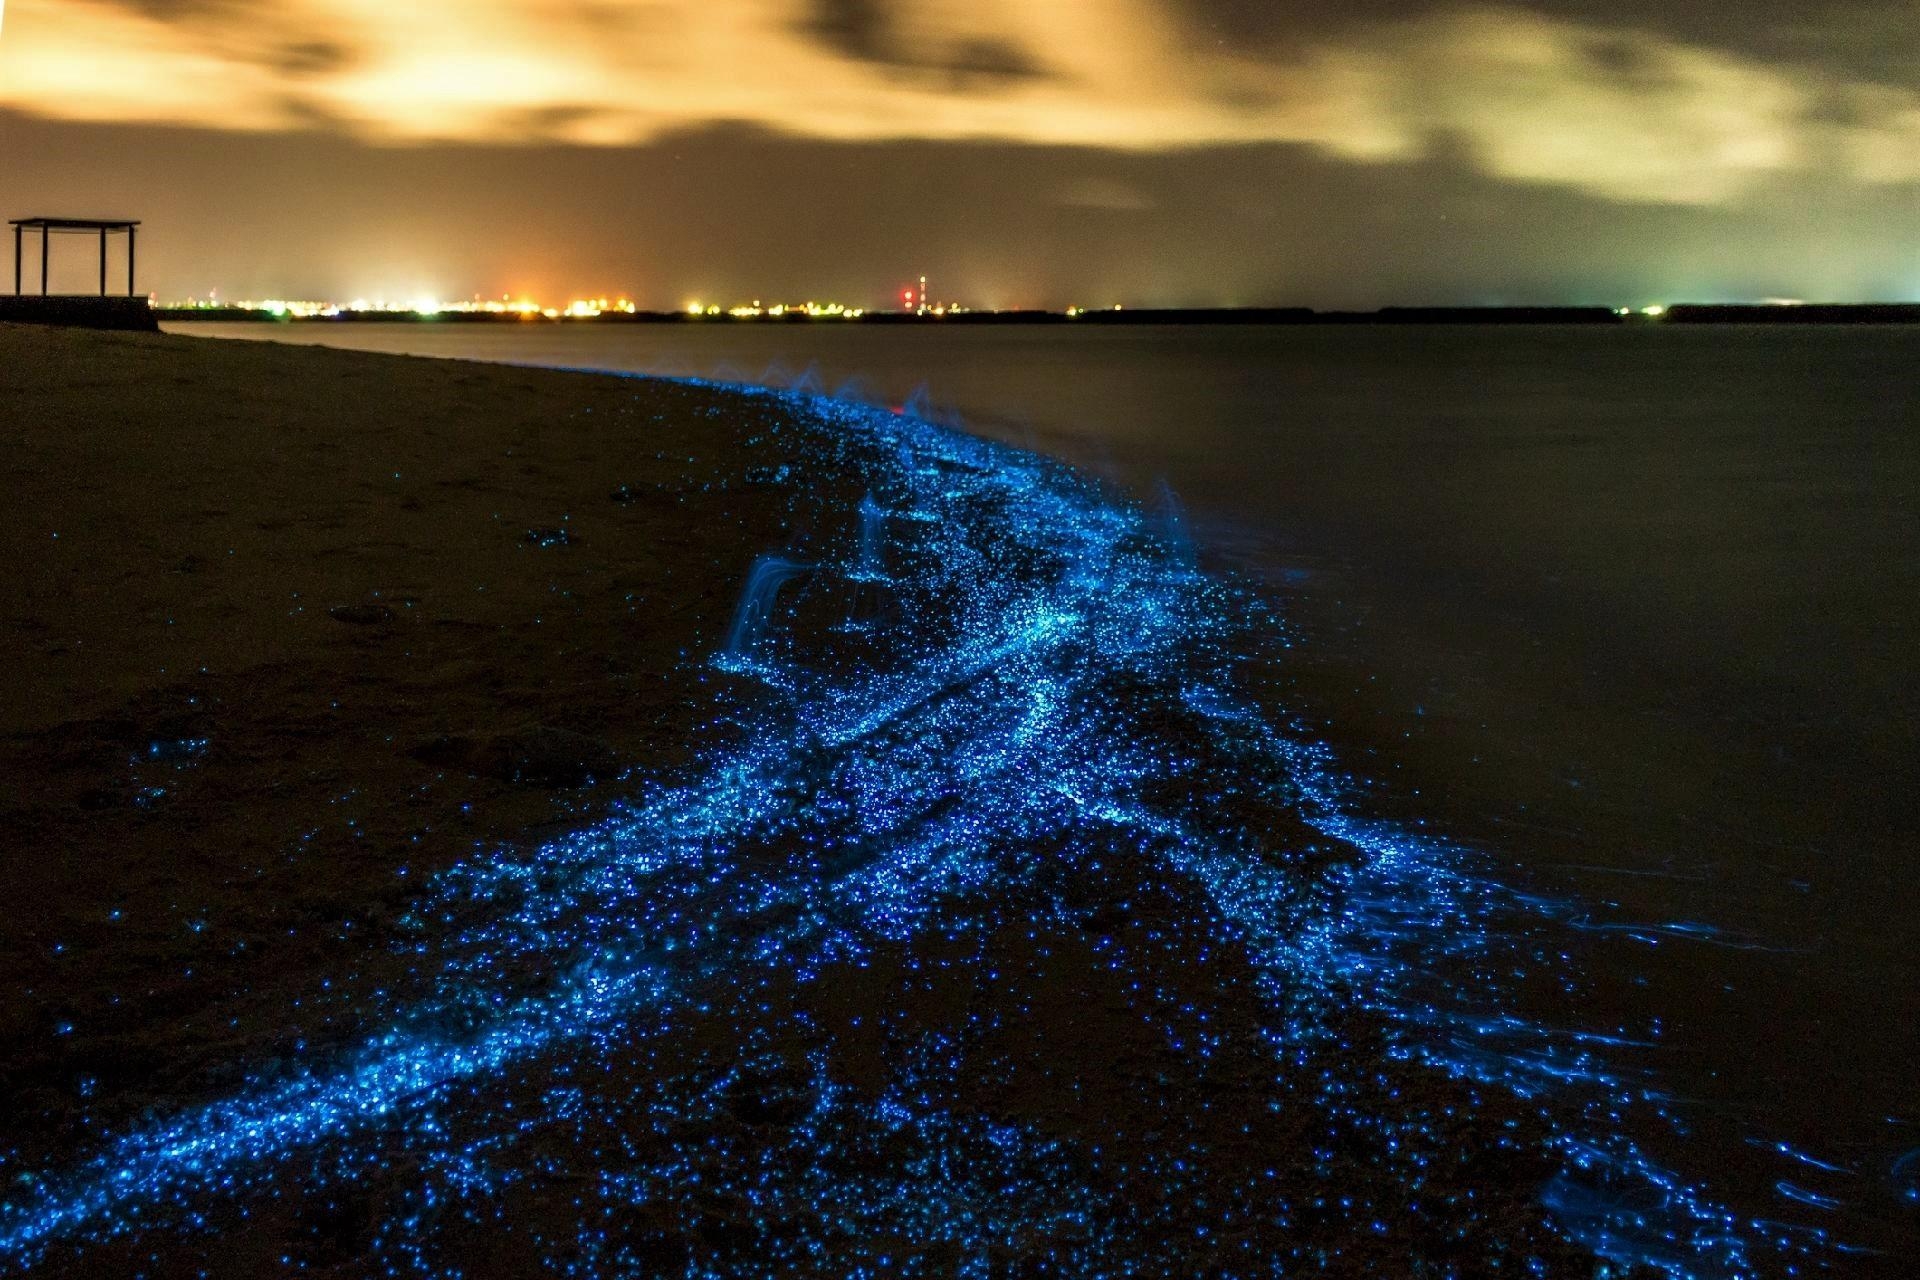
<point>1526,94</point>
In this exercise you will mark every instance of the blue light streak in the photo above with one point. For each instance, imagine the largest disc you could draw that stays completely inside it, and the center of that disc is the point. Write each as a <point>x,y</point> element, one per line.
<point>1061,695</point>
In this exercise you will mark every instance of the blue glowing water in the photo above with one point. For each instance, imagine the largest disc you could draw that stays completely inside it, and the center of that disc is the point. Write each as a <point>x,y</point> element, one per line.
<point>755,615</point>
<point>873,532</point>
<point>1063,702</point>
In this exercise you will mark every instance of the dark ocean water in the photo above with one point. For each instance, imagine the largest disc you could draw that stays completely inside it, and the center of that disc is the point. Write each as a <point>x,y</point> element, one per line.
<point>1635,612</point>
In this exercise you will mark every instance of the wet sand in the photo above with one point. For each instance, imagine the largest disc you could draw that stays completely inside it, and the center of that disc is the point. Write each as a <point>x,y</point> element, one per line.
<point>299,634</point>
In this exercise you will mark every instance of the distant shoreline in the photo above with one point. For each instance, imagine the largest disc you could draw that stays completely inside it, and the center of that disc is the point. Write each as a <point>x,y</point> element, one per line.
<point>134,314</point>
<point>1683,313</point>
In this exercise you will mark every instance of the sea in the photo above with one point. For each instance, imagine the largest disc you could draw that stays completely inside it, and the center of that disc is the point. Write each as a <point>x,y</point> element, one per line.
<point>1630,617</point>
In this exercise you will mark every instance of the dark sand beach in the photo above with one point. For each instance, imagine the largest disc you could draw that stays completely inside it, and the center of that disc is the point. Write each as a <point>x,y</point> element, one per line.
<point>290,631</point>
<point>327,673</point>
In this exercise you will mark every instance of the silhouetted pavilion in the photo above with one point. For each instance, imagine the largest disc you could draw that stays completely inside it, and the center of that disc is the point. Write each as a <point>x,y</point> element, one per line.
<point>50,227</point>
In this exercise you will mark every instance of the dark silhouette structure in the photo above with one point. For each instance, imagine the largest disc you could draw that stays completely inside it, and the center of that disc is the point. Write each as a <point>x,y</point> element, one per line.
<point>50,227</point>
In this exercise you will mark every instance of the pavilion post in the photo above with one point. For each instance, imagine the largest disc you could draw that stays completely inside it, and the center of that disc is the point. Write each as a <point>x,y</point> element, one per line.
<point>130,276</point>
<point>103,262</point>
<point>46,238</point>
<point>19,237</point>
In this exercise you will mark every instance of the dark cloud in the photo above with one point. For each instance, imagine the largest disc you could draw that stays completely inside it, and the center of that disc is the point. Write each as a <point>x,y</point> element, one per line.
<point>303,115</point>
<point>309,57</point>
<point>852,28</point>
<point>549,121</point>
<point>864,30</point>
<point>1862,37</point>
<point>968,61</point>
<point>312,57</point>
<point>190,10</point>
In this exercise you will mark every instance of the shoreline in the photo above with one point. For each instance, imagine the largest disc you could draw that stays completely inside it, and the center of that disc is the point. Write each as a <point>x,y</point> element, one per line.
<point>1687,313</point>
<point>987,666</point>
<point>134,314</point>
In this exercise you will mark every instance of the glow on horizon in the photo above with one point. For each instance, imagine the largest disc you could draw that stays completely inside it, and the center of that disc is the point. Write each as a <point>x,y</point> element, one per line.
<point>303,309</point>
<point>577,309</point>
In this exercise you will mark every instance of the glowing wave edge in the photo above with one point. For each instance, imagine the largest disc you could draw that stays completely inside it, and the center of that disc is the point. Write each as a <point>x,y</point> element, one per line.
<point>1008,707</point>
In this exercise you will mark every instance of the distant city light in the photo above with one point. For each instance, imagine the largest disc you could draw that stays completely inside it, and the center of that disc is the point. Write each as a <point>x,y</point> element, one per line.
<point>526,308</point>
<point>307,309</point>
<point>915,301</point>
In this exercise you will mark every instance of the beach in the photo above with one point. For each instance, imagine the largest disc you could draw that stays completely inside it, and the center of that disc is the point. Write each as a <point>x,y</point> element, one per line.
<point>292,631</point>
<point>896,640</point>
<point>417,867</point>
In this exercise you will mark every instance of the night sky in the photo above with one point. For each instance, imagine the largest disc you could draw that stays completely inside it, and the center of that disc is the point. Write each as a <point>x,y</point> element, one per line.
<point>1019,152</point>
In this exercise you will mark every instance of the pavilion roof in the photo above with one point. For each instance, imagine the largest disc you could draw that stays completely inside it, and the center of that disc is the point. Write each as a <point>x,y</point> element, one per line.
<point>76,224</point>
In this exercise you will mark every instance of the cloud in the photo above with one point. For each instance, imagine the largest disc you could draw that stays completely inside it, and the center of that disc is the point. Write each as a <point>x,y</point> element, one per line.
<point>866,30</point>
<point>1625,113</point>
<point>1617,113</point>
<point>1880,143</point>
<point>1107,195</point>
